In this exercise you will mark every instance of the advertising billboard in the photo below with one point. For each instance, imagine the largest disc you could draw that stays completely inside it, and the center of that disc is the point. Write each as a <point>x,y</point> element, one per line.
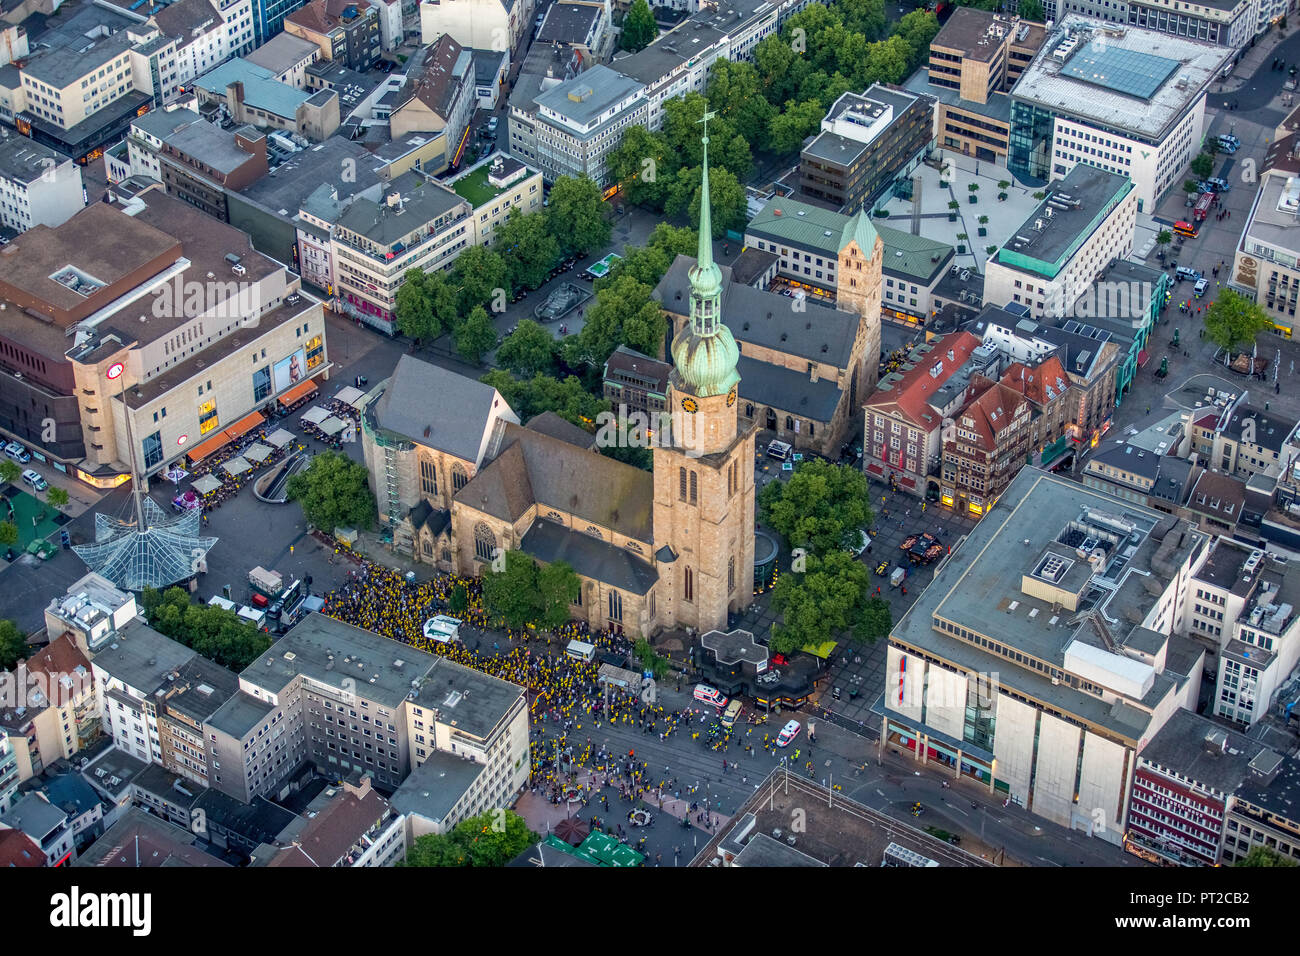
<point>289,372</point>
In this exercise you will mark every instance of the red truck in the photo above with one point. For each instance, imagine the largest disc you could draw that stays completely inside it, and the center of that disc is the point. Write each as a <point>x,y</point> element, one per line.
<point>1203,206</point>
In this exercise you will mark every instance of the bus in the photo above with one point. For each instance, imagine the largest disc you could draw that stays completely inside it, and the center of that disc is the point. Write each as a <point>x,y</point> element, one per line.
<point>1182,228</point>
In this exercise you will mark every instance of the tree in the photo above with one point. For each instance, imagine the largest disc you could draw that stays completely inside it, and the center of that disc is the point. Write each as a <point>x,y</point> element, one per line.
<point>528,249</point>
<point>493,838</point>
<point>334,492</point>
<point>1164,237</point>
<point>726,195</point>
<point>1032,10</point>
<point>566,397</point>
<point>639,27</point>
<point>819,505</point>
<point>214,632</point>
<point>528,350</point>
<point>795,123</point>
<point>57,496</point>
<point>1232,321</point>
<point>477,274</point>
<point>875,620</point>
<point>426,305</point>
<point>649,660</point>
<point>9,473</point>
<point>826,599</point>
<point>735,92</point>
<point>8,534</point>
<point>866,17</point>
<point>623,314</point>
<point>13,645</point>
<point>643,166</point>
<point>917,29</point>
<point>576,218</point>
<point>682,130</point>
<point>1264,856</point>
<point>1203,165</point>
<point>458,600</point>
<point>1190,187</point>
<point>557,586</point>
<point>476,336</point>
<point>510,595</point>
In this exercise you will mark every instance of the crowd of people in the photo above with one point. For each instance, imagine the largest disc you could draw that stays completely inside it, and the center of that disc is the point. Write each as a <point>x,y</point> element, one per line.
<point>231,484</point>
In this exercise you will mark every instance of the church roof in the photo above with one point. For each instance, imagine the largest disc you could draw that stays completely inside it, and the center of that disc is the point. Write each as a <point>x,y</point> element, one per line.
<point>590,557</point>
<point>816,333</point>
<point>787,390</point>
<point>549,423</point>
<point>437,408</point>
<point>535,468</point>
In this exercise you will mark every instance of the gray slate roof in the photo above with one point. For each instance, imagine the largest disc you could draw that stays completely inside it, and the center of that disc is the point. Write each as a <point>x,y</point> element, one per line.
<point>436,786</point>
<point>437,408</point>
<point>790,391</point>
<point>588,556</point>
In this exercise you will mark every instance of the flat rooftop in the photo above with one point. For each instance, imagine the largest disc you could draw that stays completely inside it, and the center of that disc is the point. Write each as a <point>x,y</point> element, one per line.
<point>1054,230</point>
<point>23,160</point>
<point>980,34</point>
<point>347,167</point>
<point>1124,78</point>
<point>1273,216</point>
<point>434,788</point>
<point>1181,746</point>
<point>998,107</point>
<point>142,658</point>
<point>589,94</point>
<point>471,701</point>
<point>329,651</point>
<point>1039,517</point>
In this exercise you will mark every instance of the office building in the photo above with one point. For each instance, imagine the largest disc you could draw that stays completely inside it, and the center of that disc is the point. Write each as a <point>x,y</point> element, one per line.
<point>1054,258</point>
<point>1124,99</point>
<point>1226,23</point>
<point>88,362</point>
<point>1265,261</point>
<point>636,382</point>
<point>494,186</point>
<point>1263,812</point>
<point>485,24</point>
<point>1045,655</point>
<point>869,144</point>
<point>1240,439</point>
<point>38,186</point>
<point>438,97</point>
<point>286,57</point>
<point>581,26</point>
<point>1184,786</point>
<point>985,447</point>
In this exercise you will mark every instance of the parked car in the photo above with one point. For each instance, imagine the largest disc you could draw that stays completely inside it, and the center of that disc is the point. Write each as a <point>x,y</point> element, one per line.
<point>492,125</point>
<point>788,733</point>
<point>34,479</point>
<point>1219,185</point>
<point>18,453</point>
<point>1201,285</point>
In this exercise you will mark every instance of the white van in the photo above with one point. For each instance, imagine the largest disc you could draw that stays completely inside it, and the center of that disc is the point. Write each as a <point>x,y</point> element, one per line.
<point>779,450</point>
<point>218,601</point>
<point>581,650</point>
<point>443,628</point>
<point>253,616</point>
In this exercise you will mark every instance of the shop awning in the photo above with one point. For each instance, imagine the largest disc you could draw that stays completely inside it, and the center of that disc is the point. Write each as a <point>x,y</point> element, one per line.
<point>1142,357</point>
<point>245,425</point>
<point>199,452</point>
<point>301,390</point>
<point>875,469</point>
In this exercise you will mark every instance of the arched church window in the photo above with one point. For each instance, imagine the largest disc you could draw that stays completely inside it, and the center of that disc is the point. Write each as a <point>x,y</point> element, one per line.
<point>459,477</point>
<point>485,542</point>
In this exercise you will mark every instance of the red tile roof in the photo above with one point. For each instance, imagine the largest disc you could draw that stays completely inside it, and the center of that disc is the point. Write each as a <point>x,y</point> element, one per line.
<point>1033,381</point>
<point>61,656</point>
<point>990,411</point>
<point>18,849</point>
<point>909,398</point>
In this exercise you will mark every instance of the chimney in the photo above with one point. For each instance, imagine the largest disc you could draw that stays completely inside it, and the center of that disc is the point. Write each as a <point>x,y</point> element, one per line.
<point>813,374</point>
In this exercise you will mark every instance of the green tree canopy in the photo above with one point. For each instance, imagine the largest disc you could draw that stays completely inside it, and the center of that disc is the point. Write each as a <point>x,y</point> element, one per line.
<point>643,165</point>
<point>795,123</point>
<point>213,632</point>
<point>525,593</point>
<point>623,314</point>
<point>639,27</point>
<point>557,586</point>
<point>542,393</point>
<point>334,492</point>
<point>828,598</point>
<point>13,645</point>
<point>528,249</point>
<point>9,472</point>
<point>528,350</point>
<point>476,336</point>
<point>1032,10</point>
<point>577,216</point>
<point>1203,165</point>
<point>1264,856</point>
<point>8,534</point>
<point>57,496</point>
<point>479,271</point>
<point>1232,321</point>
<point>493,838</point>
<point>682,129</point>
<point>818,507</point>
<point>735,92</point>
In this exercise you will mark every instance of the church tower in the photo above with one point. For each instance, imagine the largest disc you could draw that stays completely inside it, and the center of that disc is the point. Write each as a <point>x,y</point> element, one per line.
<point>704,477</point>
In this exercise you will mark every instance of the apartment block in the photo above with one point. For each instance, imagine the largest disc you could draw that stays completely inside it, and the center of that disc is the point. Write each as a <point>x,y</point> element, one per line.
<point>350,826</point>
<point>438,96</point>
<point>248,94</point>
<point>1265,261</point>
<point>346,31</point>
<point>1240,439</point>
<point>985,447</point>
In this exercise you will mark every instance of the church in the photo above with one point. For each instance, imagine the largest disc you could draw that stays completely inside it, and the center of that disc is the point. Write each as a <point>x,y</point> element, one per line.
<point>460,480</point>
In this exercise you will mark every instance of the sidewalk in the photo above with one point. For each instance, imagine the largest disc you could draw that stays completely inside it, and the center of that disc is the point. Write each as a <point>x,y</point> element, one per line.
<point>1254,57</point>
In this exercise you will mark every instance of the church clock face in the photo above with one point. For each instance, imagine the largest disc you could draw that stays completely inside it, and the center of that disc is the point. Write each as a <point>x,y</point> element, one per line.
<point>690,405</point>
<point>731,396</point>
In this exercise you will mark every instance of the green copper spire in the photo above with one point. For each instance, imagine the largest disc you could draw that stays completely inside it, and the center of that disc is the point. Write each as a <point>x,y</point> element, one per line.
<point>704,352</point>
